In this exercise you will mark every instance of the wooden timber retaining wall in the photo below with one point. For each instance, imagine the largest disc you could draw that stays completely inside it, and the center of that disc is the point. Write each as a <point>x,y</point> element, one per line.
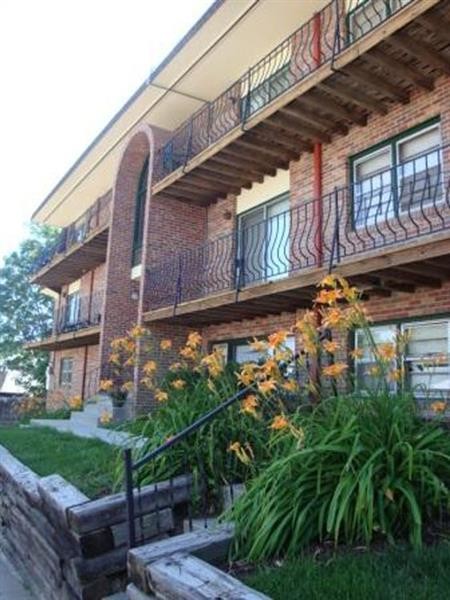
<point>66,546</point>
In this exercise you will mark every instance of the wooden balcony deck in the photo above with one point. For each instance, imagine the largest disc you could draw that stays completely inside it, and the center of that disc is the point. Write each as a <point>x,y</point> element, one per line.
<point>88,336</point>
<point>226,152</point>
<point>404,268</point>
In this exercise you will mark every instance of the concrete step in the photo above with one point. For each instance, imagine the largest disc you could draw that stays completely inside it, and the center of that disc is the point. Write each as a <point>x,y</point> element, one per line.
<point>212,546</point>
<point>82,418</point>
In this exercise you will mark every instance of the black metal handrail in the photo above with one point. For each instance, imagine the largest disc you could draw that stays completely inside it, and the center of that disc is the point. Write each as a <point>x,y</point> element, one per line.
<point>133,466</point>
<point>79,312</point>
<point>318,41</point>
<point>394,206</point>
<point>96,217</point>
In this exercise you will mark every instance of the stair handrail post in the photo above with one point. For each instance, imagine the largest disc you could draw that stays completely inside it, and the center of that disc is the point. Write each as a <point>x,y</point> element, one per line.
<point>128,461</point>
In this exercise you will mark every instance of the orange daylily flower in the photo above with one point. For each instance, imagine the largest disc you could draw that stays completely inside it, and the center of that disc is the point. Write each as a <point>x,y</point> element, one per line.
<point>334,317</point>
<point>165,345</point>
<point>258,345</point>
<point>276,339</point>
<point>330,346</point>
<point>357,353</point>
<point>161,396</point>
<point>137,331</point>
<point>335,370</point>
<point>279,422</point>
<point>178,384</point>
<point>194,339</point>
<point>329,297</point>
<point>105,417</point>
<point>106,385</point>
<point>128,386</point>
<point>267,386</point>
<point>150,367</point>
<point>249,404</point>
<point>290,385</point>
<point>386,351</point>
<point>438,406</point>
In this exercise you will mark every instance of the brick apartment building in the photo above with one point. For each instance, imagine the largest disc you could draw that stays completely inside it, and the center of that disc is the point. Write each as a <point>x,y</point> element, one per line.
<point>279,138</point>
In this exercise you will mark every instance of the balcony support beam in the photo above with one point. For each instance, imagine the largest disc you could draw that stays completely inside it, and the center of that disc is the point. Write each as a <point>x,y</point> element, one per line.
<point>298,126</point>
<point>329,106</point>
<point>399,274</point>
<point>244,158</point>
<point>436,25</point>
<point>235,168</point>
<point>297,111</point>
<point>420,50</point>
<point>216,175</point>
<point>398,69</point>
<point>378,84</point>
<point>265,133</point>
<point>249,166</point>
<point>255,146</point>
<point>350,94</point>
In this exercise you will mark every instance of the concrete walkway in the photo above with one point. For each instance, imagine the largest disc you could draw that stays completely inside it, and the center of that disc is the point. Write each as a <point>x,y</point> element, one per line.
<point>109,436</point>
<point>11,586</point>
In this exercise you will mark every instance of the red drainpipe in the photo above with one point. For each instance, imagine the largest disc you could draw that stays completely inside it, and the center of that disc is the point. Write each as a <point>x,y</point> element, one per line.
<point>317,157</point>
<point>318,208</point>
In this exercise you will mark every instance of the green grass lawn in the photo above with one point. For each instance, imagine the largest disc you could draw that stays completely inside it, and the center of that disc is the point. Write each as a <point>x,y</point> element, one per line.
<point>398,574</point>
<point>88,464</point>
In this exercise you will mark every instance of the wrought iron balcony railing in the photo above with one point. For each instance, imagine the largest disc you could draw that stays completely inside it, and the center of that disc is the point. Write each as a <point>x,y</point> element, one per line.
<point>96,217</point>
<point>334,28</point>
<point>389,208</point>
<point>79,312</point>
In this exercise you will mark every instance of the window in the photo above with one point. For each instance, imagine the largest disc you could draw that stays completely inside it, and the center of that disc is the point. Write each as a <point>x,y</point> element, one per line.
<point>239,350</point>
<point>426,357</point>
<point>141,196</point>
<point>263,247</point>
<point>425,360</point>
<point>401,175</point>
<point>65,372</point>
<point>73,308</point>
<point>382,334</point>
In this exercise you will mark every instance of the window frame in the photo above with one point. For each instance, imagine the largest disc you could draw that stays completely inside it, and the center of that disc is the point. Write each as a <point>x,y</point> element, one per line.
<point>233,343</point>
<point>265,206</point>
<point>64,372</point>
<point>393,143</point>
<point>400,326</point>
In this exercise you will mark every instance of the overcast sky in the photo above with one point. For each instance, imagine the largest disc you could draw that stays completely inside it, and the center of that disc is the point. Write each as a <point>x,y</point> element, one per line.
<point>66,68</point>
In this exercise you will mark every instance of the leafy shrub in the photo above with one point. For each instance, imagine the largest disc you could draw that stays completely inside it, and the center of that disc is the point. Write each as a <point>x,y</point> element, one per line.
<point>368,467</point>
<point>206,453</point>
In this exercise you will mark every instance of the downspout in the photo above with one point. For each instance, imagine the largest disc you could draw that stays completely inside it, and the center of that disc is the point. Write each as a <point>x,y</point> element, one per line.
<point>317,211</point>
<point>83,380</point>
<point>89,308</point>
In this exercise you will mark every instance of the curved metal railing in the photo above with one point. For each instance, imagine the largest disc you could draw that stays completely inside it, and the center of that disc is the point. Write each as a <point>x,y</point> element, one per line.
<point>331,30</point>
<point>389,208</point>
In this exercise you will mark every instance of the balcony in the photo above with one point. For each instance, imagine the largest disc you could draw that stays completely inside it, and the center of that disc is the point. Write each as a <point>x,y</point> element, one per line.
<point>80,247</point>
<point>354,58</point>
<point>388,232</point>
<point>77,322</point>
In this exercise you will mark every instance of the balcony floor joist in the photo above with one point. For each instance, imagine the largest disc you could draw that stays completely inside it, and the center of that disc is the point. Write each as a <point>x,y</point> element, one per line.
<point>81,258</point>
<point>404,268</point>
<point>370,77</point>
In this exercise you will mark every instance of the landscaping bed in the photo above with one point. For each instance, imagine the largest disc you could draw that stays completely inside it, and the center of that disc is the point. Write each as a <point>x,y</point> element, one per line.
<point>396,574</point>
<point>87,464</point>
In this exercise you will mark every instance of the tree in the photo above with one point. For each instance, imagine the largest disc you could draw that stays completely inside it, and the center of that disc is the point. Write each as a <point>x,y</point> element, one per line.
<point>25,312</point>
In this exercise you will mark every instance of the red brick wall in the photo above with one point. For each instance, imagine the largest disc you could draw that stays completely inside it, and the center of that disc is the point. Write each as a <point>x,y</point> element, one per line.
<point>57,396</point>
